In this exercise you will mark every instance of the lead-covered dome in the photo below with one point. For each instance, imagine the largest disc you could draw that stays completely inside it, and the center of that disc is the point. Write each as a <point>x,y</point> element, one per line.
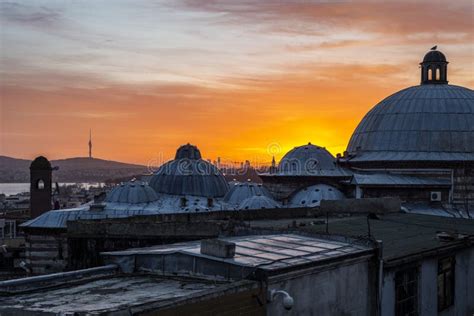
<point>241,191</point>
<point>309,160</point>
<point>421,123</point>
<point>313,195</point>
<point>188,174</point>
<point>131,193</point>
<point>188,151</point>
<point>258,202</point>
<point>434,56</point>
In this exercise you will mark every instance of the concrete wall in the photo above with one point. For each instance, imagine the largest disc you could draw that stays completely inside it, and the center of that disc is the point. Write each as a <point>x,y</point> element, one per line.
<point>428,287</point>
<point>46,253</point>
<point>406,194</point>
<point>342,290</point>
<point>361,206</point>
<point>242,302</point>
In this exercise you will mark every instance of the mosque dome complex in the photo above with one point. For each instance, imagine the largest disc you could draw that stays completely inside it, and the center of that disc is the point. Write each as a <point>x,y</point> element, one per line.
<point>189,174</point>
<point>430,122</point>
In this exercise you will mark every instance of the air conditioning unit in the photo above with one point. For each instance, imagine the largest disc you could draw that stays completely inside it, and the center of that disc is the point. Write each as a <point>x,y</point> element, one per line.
<point>435,196</point>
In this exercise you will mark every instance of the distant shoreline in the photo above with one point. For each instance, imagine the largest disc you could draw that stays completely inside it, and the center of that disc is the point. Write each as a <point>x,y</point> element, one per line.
<point>12,188</point>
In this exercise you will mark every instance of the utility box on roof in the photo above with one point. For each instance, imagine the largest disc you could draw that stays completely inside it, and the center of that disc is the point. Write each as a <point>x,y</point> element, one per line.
<point>218,248</point>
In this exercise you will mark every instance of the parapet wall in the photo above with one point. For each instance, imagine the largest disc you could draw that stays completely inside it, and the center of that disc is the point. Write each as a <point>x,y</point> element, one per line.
<point>361,206</point>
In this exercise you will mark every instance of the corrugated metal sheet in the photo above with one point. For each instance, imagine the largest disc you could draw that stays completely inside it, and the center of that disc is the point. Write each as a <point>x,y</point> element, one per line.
<point>427,122</point>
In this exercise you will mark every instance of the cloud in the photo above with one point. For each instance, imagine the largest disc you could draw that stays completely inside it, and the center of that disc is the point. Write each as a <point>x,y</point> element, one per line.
<point>318,18</point>
<point>44,17</point>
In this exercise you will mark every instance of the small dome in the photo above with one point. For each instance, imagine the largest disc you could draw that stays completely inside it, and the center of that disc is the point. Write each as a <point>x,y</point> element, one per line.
<point>131,193</point>
<point>434,56</point>
<point>241,191</point>
<point>40,163</point>
<point>311,196</point>
<point>189,176</point>
<point>188,151</point>
<point>257,203</point>
<point>309,160</point>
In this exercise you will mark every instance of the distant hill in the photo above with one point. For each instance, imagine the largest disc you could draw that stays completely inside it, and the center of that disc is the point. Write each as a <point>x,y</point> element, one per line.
<point>80,169</point>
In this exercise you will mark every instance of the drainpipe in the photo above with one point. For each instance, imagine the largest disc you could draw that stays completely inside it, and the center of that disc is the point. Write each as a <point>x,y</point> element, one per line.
<point>380,276</point>
<point>451,191</point>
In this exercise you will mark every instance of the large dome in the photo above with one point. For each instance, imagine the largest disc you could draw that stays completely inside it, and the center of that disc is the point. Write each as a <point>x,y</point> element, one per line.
<point>429,122</point>
<point>188,174</point>
<point>309,160</point>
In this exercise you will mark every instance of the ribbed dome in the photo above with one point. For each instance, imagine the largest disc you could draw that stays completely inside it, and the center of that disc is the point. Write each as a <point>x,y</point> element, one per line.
<point>426,122</point>
<point>434,56</point>
<point>309,160</point>
<point>312,196</point>
<point>40,163</point>
<point>186,176</point>
<point>188,151</point>
<point>257,203</point>
<point>241,191</point>
<point>132,193</point>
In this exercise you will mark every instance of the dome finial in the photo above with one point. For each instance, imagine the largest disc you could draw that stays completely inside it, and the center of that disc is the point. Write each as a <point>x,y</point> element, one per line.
<point>434,47</point>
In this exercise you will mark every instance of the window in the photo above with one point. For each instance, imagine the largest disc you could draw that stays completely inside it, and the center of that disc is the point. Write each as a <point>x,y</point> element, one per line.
<point>430,74</point>
<point>438,77</point>
<point>40,185</point>
<point>445,283</point>
<point>406,292</point>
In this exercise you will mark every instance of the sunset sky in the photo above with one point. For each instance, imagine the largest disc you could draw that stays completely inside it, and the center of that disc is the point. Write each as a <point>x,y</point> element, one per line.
<point>239,79</point>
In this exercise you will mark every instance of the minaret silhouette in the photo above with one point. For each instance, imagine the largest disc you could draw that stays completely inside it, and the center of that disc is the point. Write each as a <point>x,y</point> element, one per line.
<point>90,143</point>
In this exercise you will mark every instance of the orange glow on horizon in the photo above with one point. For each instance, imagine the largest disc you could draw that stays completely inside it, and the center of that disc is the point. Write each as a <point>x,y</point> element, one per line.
<point>212,73</point>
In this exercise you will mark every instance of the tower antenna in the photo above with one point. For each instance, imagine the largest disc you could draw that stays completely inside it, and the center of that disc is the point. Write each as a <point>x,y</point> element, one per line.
<point>90,143</point>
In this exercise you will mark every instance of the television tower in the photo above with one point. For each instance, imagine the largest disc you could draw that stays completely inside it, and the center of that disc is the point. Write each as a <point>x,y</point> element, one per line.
<point>90,143</point>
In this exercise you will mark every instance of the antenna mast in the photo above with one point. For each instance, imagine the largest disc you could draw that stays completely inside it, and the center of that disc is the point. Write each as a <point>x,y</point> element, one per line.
<point>90,143</point>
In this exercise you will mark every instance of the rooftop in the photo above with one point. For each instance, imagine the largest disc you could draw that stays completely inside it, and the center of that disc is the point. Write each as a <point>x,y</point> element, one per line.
<point>119,293</point>
<point>385,179</point>
<point>406,235</point>
<point>269,253</point>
